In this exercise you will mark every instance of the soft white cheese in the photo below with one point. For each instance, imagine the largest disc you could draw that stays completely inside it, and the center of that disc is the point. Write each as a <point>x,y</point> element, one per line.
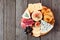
<point>45,27</point>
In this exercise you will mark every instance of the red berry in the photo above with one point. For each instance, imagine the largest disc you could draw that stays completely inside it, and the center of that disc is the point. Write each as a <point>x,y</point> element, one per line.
<point>37,24</point>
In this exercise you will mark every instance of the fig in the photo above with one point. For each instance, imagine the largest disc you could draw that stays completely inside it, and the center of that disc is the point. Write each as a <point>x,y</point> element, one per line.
<point>36,15</point>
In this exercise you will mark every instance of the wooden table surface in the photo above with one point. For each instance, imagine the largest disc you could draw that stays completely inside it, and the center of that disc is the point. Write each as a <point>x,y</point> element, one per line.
<point>10,15</point>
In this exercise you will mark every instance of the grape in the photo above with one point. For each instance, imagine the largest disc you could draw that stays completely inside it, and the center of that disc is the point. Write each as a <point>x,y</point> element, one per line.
<point>28,30</point>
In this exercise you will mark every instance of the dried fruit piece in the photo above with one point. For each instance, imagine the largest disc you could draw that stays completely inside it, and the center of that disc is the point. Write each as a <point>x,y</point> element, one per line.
<point>47,18</point>
<point>37,24</point>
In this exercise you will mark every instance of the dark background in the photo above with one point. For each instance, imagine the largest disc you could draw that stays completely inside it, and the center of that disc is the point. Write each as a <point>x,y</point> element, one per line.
<point>10,15</point>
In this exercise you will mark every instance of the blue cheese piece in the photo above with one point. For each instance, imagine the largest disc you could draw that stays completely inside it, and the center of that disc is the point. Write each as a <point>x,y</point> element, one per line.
<point>45,27</point>
<point>26,14</point>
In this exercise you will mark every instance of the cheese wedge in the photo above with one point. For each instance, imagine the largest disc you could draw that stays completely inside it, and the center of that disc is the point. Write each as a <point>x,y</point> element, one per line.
<point>26,14</point>
<point>45,27</point>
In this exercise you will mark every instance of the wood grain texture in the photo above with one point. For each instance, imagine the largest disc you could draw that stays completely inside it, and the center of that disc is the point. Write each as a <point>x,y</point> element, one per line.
<point>33,1</point>
<point>56,10</point>
<point>47,3</point>
<point>30,37</point>
<point>9,20</point>
<point>21,5</point>
<point>1,19</point>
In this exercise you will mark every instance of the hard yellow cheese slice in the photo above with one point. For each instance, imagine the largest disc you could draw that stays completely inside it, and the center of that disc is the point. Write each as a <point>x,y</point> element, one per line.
<point>35,6</point>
